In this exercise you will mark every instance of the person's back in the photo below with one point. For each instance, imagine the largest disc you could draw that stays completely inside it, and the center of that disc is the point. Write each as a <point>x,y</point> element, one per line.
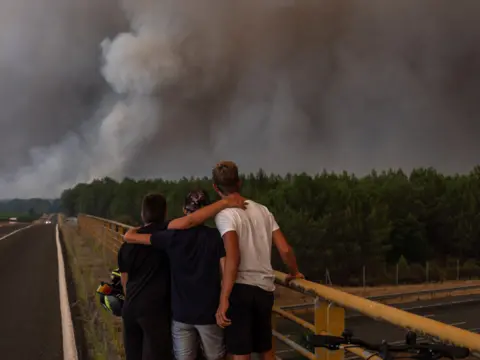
<point>148,285</point>
<point>254,227</point>
<point>145,275</point>
<point>195,256</point>
<point>246,298</point>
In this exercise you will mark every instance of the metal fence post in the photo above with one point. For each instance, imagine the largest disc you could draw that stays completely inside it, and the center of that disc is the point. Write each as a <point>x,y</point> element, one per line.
<point>364,275</point>
<point>427,271</point>
<point>320,321</point>
<point>330,319</point>
<point>335,326</point>
<point>458,269</point>
<point>396,275</point>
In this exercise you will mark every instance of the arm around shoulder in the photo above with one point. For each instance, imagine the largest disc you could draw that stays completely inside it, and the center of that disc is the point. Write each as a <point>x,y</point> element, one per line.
<point>207,212</point>
<point>132,236</point>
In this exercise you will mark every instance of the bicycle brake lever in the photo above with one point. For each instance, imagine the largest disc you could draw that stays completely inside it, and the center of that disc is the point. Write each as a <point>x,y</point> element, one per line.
<point>347,335</point>
<point>411,338</point>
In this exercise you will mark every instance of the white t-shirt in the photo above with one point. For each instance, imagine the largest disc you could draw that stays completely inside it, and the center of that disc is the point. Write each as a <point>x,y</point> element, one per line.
<point>254,227</point>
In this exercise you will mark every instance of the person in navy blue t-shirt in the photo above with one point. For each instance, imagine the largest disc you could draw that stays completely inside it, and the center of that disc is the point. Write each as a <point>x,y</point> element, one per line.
<point>195,258</point>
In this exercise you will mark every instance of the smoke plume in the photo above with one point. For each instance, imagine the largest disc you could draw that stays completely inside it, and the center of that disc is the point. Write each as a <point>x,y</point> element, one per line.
<point>167,88</point>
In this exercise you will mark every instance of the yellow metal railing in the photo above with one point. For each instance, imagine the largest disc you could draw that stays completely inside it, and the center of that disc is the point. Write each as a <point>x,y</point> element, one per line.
<point>330,304</point>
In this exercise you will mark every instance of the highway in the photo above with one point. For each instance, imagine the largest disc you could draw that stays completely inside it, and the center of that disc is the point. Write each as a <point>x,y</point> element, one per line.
<point>459,311</point>
<point>30,321</point>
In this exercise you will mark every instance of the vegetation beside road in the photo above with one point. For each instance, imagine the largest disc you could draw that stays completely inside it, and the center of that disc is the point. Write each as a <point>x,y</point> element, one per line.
<point>89,263</point>
<point>21,217</point>
<point>29,206</point>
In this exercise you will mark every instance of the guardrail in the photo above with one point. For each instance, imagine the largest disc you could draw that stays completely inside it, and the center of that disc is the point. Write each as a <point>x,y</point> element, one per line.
<point>423,292</point>
<point>409,294</point>
<point>329,312</point>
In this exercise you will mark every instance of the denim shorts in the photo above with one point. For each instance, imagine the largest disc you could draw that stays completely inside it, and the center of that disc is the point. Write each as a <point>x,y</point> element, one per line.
<point>187,338</point>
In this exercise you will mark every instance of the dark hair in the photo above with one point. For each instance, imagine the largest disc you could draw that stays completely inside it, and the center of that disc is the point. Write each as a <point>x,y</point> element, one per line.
<point>154,208</point>
<point>195,200</point>
<point>225,177</point>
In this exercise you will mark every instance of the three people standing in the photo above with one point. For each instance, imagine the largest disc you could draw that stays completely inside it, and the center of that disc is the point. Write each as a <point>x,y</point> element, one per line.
<point>244,301</point>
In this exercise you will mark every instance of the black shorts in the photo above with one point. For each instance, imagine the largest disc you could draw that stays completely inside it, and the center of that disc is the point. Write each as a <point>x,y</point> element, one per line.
<point>251,314</point>
<point>147,338</point>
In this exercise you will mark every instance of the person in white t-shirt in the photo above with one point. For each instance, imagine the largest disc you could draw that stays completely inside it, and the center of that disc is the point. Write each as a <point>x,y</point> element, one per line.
<point>246,298</point>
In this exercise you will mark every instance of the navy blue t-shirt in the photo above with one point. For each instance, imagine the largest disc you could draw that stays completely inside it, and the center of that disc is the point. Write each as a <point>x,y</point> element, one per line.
<point>194,256</point>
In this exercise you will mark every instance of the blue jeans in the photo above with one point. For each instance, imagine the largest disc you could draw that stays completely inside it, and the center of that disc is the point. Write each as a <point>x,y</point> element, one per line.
<point>186,340</point>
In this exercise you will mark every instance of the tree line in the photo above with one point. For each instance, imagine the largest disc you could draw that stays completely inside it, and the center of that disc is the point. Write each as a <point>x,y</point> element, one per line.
<point>389,221</point>
<point>27,209</point>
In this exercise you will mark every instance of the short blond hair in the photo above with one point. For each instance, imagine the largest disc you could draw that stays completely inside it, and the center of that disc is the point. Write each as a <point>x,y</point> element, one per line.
<point>225,177</point>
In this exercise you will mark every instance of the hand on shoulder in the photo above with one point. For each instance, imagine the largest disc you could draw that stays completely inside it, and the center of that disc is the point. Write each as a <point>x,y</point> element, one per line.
<point>235,201</point>
<point>130,232</point>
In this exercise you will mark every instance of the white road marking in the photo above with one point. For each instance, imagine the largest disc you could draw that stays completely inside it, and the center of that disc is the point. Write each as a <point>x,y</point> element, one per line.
<point>423,338</point>
<point>14,232</point>
<point>68,334</point>
<point>457,302</point>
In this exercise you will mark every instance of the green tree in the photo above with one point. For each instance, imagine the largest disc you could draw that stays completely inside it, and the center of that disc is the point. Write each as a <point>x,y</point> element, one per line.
<point>336,221</point>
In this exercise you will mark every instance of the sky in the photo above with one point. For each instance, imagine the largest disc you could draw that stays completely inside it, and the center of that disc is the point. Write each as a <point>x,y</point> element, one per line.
<point>163,88</point>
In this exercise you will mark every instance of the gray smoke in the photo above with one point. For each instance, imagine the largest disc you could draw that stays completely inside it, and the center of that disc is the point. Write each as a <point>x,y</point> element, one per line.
<point>297,85</point>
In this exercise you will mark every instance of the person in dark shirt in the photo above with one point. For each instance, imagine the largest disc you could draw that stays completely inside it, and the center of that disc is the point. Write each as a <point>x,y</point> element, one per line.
<point>145,274</point>
<point>195,255</point>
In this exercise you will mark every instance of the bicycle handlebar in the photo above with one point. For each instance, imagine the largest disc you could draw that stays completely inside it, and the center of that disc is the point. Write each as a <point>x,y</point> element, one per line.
<point>334,343</point>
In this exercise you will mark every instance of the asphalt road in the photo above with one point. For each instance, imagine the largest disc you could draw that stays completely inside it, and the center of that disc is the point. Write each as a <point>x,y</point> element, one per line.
<point>459,311</point>
<point>6,228</point>
<point>30,322</point>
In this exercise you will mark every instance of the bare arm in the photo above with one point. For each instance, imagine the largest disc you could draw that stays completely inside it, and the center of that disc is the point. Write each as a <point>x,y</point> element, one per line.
<point>194,219</point>
<point>133,237</point>
<point>123,280</point>
<point>232,261</point>
<point>222,266</point>
<point>201,215</point>
<point>160,240</point>
<point>190,220</point>
<point>286,251</point>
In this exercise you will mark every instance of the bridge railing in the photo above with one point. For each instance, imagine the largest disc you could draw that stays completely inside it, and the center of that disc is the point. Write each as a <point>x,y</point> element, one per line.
<point>416,295</point>
<point>329,305</point>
